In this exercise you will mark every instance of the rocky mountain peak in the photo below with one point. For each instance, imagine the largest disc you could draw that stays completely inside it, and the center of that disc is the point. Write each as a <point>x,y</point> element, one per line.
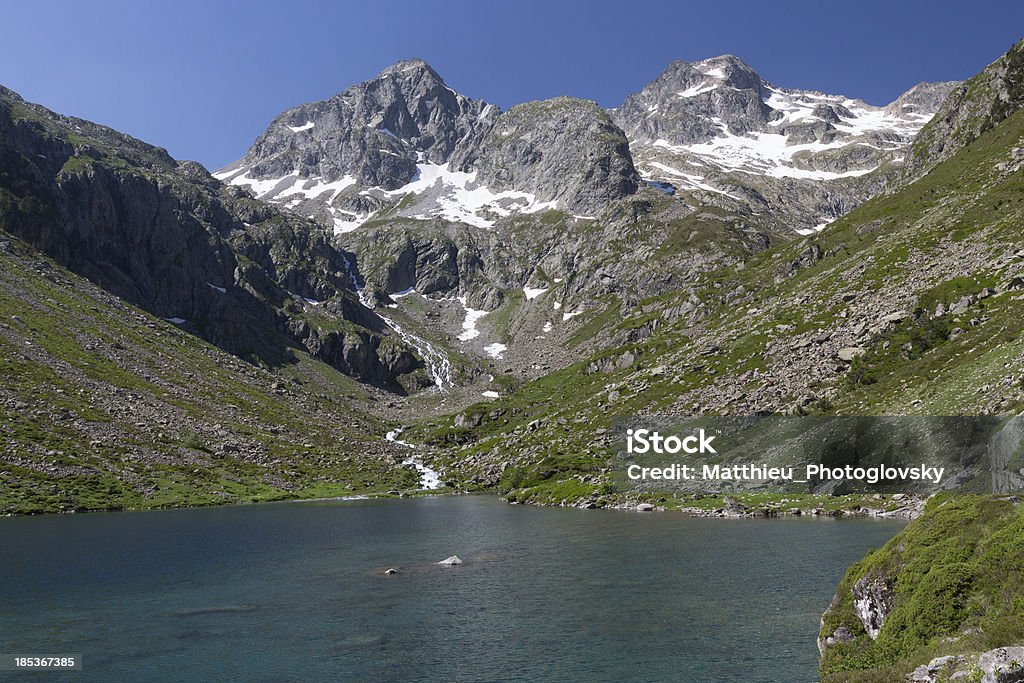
<point>728,70</point>
<point>409,67</point>
<point>372,134</point>
<point>690,102</point>
<point>720,133</point>
<point>405,131</point>
<point>687,80</point>
<point>973,107</point>
<point>564,150</point>
<point>923,98</point>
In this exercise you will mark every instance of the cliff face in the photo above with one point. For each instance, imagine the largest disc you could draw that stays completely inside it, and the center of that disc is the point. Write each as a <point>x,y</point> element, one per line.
<point>565,150</point>
<point>972,107</point>
<point>405,132</point>
<point>105,406</point>
<point>168,237</point>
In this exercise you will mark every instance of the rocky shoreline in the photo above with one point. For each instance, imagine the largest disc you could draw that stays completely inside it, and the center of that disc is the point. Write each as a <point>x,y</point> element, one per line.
<point>910,507</point>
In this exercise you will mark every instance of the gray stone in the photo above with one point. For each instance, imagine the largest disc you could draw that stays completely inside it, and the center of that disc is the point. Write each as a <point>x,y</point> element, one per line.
<point>873,600</point>
<point>847,354</point>
<point>564,149</point>
<point>1002,665</point>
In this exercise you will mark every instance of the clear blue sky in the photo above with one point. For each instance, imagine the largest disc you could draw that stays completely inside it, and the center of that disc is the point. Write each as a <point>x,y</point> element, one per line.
<point>203,79</point>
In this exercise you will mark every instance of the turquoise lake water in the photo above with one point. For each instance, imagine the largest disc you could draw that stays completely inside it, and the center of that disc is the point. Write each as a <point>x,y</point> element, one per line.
<point>296,592</point>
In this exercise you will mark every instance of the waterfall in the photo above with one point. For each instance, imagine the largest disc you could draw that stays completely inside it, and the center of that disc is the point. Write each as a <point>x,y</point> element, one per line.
<point>439,366</point>
<point>430,480</point>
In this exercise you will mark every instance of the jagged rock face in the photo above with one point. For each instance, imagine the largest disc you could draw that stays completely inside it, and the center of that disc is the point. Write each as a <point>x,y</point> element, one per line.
<point>718,133</point>
<point>169,238</point>
<point>359,154</point>
<point>683,103</point>
<point>723,114</point>
<point>973,107</point>
<point>373,132</point>
<point>873,600</point>
<point>564,150</point>
<point>923,98</point>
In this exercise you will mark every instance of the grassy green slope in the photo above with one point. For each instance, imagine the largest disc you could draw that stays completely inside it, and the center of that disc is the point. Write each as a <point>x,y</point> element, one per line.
<point>105,407</point>
<point>766,336</point>
<point>957,577</point>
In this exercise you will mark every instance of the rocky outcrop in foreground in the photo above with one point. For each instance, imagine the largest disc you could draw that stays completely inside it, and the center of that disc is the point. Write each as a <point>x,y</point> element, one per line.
<point>951,583</point>
<point>1001,665</point>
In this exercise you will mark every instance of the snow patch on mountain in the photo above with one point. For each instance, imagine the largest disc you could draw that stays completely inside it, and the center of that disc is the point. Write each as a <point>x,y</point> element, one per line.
<point>495,350</point>
<point>760,153</point>
<point>439,193</point>
<point>469,331</point>
<point>698,89</point>
<point>459,196</point>
<point>288,188</point>
<point>533,292</point>
<point>688,180</point>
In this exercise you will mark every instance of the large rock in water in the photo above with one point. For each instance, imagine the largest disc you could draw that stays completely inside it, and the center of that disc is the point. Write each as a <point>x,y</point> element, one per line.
<point>734,508</point>
<point>451,561</point>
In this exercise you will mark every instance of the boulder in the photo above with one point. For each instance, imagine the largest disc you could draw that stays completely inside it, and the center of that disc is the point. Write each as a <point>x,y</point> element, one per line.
<point>962,305</point>
<point>848,353</point>
<point>841,635</point>
<point>451,561</point>
<point>931,672</point>
<point>733,508</point>
<point>1002,665</point>
<point>468,421</point>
